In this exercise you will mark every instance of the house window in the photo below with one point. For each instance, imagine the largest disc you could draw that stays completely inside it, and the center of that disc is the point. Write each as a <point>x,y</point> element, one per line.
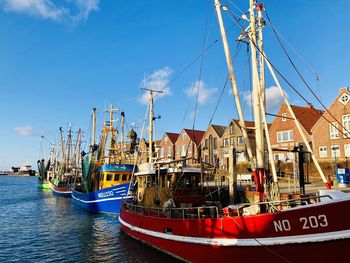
<point>347,150</point>
<point>215,143</point>
<point>183,137</point>
<point>344,98</point>
<point>166,139</point>
<point>162,152</point>
<point>285,136</point>
<point>206,143</point>
<point>232,129</point>
<point>335,151</point>
<point>284,115</point>
<point>226,142</point>
<point>346,125</point>
<point>183,150</point>
<point>178,148</point>
<point>323,151</point>
<point>279,156</point>
<point>333,130</point>
<point>169,151</point>
<point>232,141</point>
<point>190,148</point>
<point>206,158</point>
<point>240,140</point>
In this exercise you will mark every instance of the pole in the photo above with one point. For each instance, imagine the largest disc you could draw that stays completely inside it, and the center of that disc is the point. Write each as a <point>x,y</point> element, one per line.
<point>234,84</point>
<point>93,132</point>
<point>150,130</point>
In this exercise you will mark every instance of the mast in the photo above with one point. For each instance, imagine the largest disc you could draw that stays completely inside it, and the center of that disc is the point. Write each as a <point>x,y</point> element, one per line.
<point>93,132</point>
<point>234,84</point>
<point>43,145</point>
<point>259,132</point>
<point>122,139</point>
<point>150,130</point>
<point>69,141</point>
<point>63,157</point>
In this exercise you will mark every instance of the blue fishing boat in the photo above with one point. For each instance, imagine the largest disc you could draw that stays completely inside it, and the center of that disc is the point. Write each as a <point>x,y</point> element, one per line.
<point>107,171</point>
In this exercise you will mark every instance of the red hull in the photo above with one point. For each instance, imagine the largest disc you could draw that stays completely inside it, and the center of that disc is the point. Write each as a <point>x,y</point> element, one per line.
<point>306,234</point>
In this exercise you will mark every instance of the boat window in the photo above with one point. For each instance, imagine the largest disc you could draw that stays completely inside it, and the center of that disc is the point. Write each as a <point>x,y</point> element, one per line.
<point>109,177</point>
<point>101,176</point>
<point>124,176</point>
<point>116,177</point>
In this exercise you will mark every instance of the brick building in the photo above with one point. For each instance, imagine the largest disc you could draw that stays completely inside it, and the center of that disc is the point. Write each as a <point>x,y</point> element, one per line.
<point>211,144</point>
<point>233,138</point>
<point>167,146</point>
<point>187,145</point>
<point>284,133</point>
<point>143,148</point>
<point>331,138</point>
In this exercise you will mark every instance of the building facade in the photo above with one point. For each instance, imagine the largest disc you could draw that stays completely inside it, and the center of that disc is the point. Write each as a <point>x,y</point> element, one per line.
<point>187,145</point>
<point>167,147</point>
<point>211,144</point>
<point>331,133</point>
<point>283,131</point>
<point>232,138</point>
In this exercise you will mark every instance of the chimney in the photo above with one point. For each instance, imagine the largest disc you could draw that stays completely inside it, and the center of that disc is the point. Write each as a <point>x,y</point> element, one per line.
<point>309,106</point>
<point>343,89</point>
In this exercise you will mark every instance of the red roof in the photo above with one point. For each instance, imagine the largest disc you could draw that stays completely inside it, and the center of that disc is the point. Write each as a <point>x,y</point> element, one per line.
<point>307,116</point>
<point>195,135</point>
<point>247,123</point>
<point>172,136</point>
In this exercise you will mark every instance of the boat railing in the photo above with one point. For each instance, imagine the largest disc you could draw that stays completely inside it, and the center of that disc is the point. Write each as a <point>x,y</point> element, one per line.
<point>278,205</point>
<point>174,212</point>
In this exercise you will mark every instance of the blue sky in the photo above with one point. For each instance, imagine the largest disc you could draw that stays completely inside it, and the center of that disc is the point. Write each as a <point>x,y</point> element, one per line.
<point>61,58</point>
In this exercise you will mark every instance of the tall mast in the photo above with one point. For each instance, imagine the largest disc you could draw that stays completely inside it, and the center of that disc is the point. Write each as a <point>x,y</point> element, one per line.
<point>259,135</point>
<point>43,145</point>
<point>234,84</point>
<point>93,132</point>
<point>69,142</point>
<point>63,157</point>
<point>150,130</point>
<point>122,139</point>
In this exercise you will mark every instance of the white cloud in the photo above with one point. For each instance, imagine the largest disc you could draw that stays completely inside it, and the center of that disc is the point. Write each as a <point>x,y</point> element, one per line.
<point>273,98</point>
<point>205,94</point>
<point>25,130</point>
<point>159,80</point>
<point>75,10</point>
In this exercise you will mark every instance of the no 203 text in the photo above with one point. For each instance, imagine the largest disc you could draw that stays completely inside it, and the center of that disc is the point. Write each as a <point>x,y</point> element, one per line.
<point>306,223</point>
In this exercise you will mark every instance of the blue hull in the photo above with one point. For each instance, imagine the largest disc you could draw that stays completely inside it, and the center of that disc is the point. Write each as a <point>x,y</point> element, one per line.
<point>62,194</point>
<point>107,200</point>
<point>61,191</point>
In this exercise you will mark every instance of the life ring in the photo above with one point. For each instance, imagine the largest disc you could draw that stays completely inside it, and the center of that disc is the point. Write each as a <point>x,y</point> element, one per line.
<point>140,196</point>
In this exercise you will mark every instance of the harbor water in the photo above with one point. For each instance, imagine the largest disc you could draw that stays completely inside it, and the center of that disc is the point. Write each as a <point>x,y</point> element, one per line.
<point>36,226</point>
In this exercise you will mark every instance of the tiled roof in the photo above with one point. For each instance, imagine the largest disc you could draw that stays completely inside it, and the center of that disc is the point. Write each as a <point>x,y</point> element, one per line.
<point>195,135</point>
<point>172,136</point>
<point>219,129</point>
<point>247,123</point>
<point>307,116</point>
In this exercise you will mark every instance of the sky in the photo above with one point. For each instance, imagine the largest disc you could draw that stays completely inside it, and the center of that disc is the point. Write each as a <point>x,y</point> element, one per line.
<point>61,58</point>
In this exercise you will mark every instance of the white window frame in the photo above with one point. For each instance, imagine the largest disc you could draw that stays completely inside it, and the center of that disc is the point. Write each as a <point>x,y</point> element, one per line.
<point>323,151</point>
<point>346,125</point>
<point>240,140</point>
<point>170,151</point>
<point>290,135</point>
<point>334,130</point>
<point>347,150</point>
<point>337,152</point>
<point>166,139</point>
<point>162,152</point>
<point>344,99</point>
<point>284,115</point>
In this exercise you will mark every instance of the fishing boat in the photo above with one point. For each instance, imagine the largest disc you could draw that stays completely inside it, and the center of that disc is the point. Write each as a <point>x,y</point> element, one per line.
<point>172,211</point>
<point>43,178</point>
<point>107,170</point>
<point>67,172</point>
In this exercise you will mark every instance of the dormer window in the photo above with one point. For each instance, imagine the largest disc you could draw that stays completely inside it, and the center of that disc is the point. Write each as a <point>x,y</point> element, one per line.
<point>183,137</point>
<point>166,139</point>
<point>344,98</point>
<point>284,115</point>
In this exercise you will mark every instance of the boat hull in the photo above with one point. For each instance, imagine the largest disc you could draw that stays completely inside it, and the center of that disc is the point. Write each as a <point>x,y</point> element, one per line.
<point>61,191</point>
<point>107,200</point>
<point>316,232</point>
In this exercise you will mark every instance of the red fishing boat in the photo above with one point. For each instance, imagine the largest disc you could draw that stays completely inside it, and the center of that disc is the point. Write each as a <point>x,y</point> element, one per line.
<point>176,209</point>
